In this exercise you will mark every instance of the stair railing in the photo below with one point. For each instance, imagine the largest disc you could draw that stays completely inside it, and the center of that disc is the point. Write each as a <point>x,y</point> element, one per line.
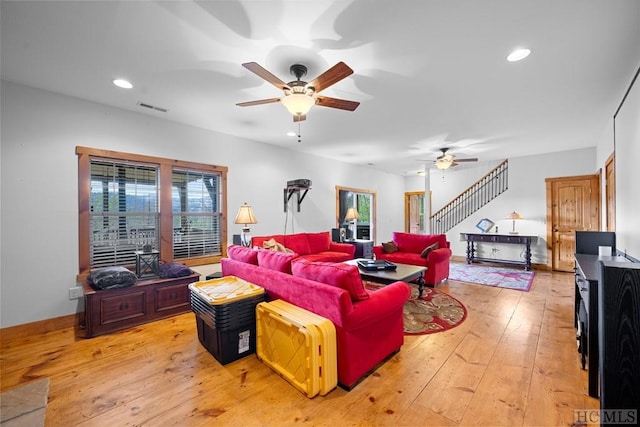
<point>470,200</point>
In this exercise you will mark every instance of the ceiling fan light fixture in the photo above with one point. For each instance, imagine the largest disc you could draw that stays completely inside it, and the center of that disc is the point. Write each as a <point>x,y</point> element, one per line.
<point>298,104</point>
<point>443,163</point>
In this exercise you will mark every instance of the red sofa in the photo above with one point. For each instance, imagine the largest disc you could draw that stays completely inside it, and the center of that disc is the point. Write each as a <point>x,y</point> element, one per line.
<point>369,324</point>
<point>409,250</point>
<point>311,246</point>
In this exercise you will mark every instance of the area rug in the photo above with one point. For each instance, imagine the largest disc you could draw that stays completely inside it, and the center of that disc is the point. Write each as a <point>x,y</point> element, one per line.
<point>25,405</point>
<point>507,278</point>
<point>436,311</point>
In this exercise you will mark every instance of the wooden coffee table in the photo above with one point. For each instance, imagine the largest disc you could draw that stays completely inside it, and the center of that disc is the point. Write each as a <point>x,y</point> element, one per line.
<point>403,273</point>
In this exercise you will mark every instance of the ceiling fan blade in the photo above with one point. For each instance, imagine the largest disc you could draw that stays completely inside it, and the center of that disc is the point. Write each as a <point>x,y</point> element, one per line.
<point>258,102</point>
<point>342,104</point>
<point>259,70</point>
<point>299,117</point>
<point>331,76</point>
<point>466,160</point>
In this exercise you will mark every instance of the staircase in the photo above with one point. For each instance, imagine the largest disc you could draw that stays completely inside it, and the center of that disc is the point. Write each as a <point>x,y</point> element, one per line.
<point>473,198</point>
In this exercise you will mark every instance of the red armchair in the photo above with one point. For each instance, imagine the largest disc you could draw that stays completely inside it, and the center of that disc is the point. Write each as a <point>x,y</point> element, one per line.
<point>409,249</point>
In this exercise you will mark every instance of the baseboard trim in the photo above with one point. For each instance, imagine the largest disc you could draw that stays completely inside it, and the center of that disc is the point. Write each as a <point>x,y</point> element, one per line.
<point>42,326</point>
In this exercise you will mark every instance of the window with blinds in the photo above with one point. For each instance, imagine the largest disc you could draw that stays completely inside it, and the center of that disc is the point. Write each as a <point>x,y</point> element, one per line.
<point>195,201</point>
<point>128,201</point>
<point>124,214</point>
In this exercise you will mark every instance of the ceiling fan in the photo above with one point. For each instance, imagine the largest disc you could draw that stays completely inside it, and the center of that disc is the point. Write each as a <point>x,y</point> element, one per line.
<point>300,96</point>
<point>445,161</point>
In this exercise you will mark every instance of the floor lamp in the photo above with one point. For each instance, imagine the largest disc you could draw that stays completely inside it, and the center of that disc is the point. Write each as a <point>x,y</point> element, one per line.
<point>246,216</point>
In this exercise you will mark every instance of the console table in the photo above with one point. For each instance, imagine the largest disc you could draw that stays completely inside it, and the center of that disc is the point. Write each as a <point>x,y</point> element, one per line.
<point>520,239</point>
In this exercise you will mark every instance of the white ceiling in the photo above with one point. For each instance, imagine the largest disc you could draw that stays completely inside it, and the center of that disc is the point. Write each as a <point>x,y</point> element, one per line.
<point>428,74</point>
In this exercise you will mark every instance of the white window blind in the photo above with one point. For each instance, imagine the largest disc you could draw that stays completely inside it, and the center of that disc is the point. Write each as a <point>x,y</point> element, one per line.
<point>124,213</point>
<point>196,208</point>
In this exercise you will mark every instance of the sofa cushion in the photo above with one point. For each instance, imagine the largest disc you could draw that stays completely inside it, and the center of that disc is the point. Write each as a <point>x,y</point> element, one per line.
<point>244,254</point>
<point>343,276</point>
<point>389,247</point>
<point>298,243</point>
<point>428,249</point>
<point>278,261</point>
<point>318,242</point>
<point>409,242</point>
<point>327,256</point>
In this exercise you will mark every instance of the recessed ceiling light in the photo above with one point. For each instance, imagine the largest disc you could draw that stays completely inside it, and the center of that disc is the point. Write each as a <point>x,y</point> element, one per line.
<point>124,84</point>
<point>292,133</point>
<point>518,54</point>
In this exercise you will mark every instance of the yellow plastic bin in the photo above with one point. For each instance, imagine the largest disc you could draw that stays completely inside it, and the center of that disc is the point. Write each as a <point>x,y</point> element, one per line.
<point>299,345</point>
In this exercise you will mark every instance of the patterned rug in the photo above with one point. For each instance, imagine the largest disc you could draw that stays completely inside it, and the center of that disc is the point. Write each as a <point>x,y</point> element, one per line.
<point>508,278</point>
<point>435,312</point>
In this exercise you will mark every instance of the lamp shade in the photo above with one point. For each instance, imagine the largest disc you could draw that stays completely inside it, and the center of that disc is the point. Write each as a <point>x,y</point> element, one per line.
<point>443,163</point>
<point>298,104</point>
<point>514,215</point>
<point>245,215</point>
<point>352,213</point>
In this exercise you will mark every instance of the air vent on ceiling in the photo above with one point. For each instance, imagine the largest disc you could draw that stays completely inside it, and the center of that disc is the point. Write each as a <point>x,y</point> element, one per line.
<point>152,107</point>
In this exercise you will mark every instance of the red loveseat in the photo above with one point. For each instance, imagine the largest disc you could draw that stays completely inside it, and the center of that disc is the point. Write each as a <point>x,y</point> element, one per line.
<point>311,246</point>
<point>409,249</point>
<point>369,324</point>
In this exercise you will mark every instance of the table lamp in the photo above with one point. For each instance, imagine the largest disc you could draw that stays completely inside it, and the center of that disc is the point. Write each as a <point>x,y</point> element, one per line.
<point>513,216</point>
<point>352,215</point>
<point>246,216</point>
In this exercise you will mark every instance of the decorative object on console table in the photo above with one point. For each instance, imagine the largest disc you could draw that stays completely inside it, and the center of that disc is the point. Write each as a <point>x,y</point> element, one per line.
<point>513,216</point>
<point>364,248</point>
<point>352,215</point>
<point>147,263</point>
<point>473,238</point>
<point>485,225</point>
<point>246,216</point>
<point>619,336</point>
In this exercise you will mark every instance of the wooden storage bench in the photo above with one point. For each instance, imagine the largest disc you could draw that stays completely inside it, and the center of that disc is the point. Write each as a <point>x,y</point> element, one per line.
<point>148,300</point>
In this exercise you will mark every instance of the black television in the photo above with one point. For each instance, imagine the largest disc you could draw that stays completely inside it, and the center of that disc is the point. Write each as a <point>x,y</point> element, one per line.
<point>587,242</point>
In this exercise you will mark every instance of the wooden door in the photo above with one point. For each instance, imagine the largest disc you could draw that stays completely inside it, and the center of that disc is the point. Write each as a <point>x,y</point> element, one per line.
<point>414,212</point>
<point>610,192</point>
<point>572,205</point>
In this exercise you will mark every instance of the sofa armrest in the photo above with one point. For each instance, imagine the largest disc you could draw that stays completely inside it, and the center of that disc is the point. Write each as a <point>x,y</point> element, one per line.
<point>377,251</point>
<point>439,255</point>
<point>370,311</point>
<point>343,247</point>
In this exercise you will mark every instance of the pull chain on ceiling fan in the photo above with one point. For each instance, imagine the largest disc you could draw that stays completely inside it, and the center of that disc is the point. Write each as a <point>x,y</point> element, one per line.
<point>300,96</point>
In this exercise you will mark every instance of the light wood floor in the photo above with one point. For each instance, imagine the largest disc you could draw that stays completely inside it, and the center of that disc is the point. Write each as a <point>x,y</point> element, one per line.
<point>513,362</point>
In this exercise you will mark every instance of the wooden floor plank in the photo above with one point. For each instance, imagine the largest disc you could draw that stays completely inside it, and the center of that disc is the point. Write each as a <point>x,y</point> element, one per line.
<point>513,361</point>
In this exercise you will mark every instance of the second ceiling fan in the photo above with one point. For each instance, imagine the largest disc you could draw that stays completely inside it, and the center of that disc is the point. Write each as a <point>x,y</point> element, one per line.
<point>300,96</point>
<point>445,161</point>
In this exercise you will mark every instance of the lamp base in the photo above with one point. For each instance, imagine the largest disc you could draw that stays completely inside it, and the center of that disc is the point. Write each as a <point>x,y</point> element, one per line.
<point>245,238</point>
<point>513,232</point>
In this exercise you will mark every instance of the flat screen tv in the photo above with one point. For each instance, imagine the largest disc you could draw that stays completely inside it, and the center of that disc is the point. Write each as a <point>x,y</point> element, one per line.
<point>587,242</point>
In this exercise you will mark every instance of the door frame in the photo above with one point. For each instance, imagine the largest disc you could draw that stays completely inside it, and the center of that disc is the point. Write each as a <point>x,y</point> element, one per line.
<point>596,180</point>
<point>610,192</point>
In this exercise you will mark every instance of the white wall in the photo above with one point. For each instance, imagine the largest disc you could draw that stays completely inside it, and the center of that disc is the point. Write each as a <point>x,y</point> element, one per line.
<point>526,195</point>
<point>39,188</point>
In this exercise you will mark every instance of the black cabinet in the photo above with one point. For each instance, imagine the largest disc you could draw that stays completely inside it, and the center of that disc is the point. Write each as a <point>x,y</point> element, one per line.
<point>619,335</point>
<point>364,248</point>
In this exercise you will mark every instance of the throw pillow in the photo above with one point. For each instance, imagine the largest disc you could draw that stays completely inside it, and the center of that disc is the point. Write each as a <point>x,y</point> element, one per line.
<point>428,249</point>
<point>389,247</point>
<point>111,278</point>
<point>343,276</point>
<point>243,254</point>
<point>172,269</point>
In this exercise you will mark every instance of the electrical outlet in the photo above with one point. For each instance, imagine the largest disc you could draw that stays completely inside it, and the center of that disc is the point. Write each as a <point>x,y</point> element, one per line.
<point>76,292</point>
